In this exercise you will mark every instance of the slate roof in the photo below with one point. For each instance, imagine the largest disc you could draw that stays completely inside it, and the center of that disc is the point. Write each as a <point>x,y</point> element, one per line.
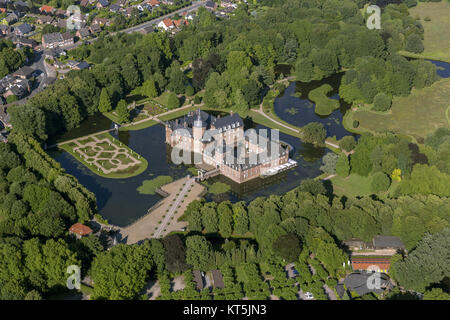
<point>104,3</point>
<point>228,121</point>
<point>218,279</point>
<point>385,242</point>
<point>198,279</point>
<point>24,28</point>
<point>357,281</point>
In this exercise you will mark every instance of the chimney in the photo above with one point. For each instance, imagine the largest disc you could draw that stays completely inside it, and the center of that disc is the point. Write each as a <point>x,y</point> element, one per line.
<point>231,112</point>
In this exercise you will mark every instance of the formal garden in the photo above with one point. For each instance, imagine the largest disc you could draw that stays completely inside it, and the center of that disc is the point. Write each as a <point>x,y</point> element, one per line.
<point>106,156</point>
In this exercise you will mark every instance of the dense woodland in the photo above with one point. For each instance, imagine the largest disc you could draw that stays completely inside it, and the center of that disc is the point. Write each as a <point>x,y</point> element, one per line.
<point>234,62</point>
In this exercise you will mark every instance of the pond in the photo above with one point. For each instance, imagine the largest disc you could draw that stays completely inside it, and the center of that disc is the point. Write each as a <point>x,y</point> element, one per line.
<point>294,107</point>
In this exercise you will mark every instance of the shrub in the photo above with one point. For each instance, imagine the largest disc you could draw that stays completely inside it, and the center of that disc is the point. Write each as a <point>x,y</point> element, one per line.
<point>355,123</point>
<point>414,44</point>
<point>342,166</point>
<point>189,91</point>
<point>382,102</point>
<point>347,143</point>
<point>197,99</point>
<point>380,182</point>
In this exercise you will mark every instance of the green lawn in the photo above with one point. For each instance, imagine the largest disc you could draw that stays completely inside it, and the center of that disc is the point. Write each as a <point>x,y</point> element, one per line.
<point>150,186</point>
<point>416,115</point>
<point>355,185</point>
<point>437,37</point>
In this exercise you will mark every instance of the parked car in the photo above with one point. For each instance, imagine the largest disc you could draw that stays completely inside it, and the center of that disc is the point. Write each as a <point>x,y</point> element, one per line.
<point>309,296</point>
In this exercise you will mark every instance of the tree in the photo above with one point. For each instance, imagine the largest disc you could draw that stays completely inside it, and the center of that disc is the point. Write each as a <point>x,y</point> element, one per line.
<point>414,43</point>
<point>382,102</point>
<point>209,217</point>
<point>329,163</point>
<point>121,272</point>
<point>149,88</point>
<point>347,143</point>
<point>380,182</point>
<point>312,186</point>
<point>427,263</point>
<point>104,104</point>
<point>240,218</point>
<point>342,166</point>
<point>287,247</point>
<point>122,112</point>
<point>252,92</point>
<point>314,132</point>
<point>240,103</point>
<point>173,102</point>
<point>175,254</point>
<point>436,294</point>
<point>225,219</point>
<point>199,253</point>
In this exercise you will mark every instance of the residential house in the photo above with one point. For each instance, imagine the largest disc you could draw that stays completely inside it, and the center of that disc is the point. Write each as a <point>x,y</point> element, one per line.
<point>21,6</point>
<point>56,39</point>
<point>154,3</point>
<point>166,24</point>
<point>179,23</point>
<point>85,3</point>
<point>95,28</point>
<point>210,5</point>
<point>24,72</point>
<point>24,42</point>
<point>83,33</point>
<point>67,39</point>
<point>44,20</point>
<point>198,279</point>
<point>47,9</point>
<point>4,3</point>
<point>217,279</point>
<point>61,13</point>
<point>81,66</point>
<point>228,4</point>
<point>101,4</point>
<point>23,29</point>
<point>371,263</point>
<point>5,30</point>
<point>359,282</point>
<point>61,23</point>
<point>147,30</point>
<point>114,8</point>
<point>80,230</point>
<point>101,21</point>
<point>10,19</point>
<point>53,54</point>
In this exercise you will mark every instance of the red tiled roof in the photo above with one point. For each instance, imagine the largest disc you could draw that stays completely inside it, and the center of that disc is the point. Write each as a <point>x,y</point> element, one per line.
<point>46,8</point>
<point>168,22</point>
<point>80,229</point>
<point>363,263</point>
<point>153,2</point>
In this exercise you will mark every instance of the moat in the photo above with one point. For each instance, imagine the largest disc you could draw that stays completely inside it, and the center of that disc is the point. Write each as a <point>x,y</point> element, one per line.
<point>120,202</point>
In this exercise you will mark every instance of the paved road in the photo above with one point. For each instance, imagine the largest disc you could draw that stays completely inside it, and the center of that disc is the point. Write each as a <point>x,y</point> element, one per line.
<point>174,207</point>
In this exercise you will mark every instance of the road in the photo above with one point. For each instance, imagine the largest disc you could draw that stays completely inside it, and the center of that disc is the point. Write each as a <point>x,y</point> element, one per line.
<point>141,26</point>
<point>174,207</point>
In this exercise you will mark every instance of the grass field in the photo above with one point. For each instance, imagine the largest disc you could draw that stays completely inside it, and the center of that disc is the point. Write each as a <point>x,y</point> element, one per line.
<point>355,185</point>
<point>417,115</point>
<point>437,35</point>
